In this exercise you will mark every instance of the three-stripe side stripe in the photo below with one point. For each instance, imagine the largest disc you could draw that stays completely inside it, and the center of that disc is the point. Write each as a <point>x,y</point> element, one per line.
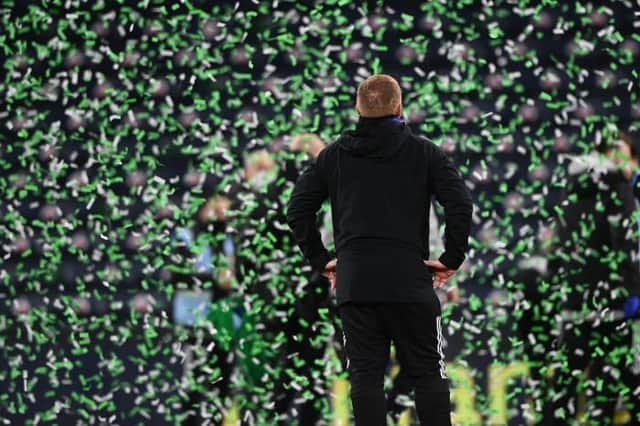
<point>344,345</point>
<point>443,368</point>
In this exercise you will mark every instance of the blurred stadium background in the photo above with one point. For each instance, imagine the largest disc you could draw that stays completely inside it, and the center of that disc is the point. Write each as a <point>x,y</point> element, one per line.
<point>129,135</point>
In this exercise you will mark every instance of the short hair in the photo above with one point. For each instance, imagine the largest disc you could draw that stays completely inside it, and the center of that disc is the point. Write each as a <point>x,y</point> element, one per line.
<point>379,95</point>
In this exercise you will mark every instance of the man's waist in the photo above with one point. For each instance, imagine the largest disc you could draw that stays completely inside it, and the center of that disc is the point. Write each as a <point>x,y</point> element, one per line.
<point>360,245</point>
<point>372,247</point>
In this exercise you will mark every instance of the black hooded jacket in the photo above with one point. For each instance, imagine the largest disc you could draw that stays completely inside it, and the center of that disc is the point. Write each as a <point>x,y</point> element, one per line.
<point>380,178</point>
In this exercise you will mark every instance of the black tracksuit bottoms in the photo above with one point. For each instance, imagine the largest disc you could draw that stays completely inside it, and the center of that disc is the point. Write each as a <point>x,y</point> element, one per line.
<point>415,330</point>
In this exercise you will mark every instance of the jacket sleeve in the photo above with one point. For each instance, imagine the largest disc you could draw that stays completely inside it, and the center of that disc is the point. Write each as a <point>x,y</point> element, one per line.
<point>623,235</point>
<point>308,194</point>
<point>451,192</point>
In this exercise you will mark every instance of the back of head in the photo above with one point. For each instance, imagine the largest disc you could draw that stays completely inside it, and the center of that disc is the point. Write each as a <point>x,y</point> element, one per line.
<point>378,96</point>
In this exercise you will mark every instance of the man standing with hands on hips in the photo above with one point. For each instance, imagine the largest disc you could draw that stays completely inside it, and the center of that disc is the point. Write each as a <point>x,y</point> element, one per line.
<point>380,178</point>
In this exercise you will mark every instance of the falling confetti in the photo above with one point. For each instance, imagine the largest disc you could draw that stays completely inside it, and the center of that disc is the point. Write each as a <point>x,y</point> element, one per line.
<point>148,276</point>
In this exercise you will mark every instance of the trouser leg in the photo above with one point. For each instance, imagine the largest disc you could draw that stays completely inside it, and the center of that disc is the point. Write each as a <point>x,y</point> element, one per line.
<point>416,331</point>
<point>367,350</point>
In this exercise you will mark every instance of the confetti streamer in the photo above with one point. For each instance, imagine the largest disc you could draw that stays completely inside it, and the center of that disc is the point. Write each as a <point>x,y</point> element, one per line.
<point>127,133</point>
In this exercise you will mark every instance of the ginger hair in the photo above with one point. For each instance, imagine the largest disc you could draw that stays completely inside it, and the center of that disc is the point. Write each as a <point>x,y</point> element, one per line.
<point>378,95</point>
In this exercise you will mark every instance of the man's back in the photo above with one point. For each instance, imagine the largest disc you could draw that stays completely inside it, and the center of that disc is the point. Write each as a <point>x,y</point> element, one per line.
<point>377,185</point>
<point>380,178</point>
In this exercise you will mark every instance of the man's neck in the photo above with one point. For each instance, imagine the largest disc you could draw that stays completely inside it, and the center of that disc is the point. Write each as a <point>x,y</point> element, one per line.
<point>392,117</point>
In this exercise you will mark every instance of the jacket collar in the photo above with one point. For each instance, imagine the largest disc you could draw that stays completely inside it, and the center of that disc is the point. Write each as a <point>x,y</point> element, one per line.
<point>367,122</point>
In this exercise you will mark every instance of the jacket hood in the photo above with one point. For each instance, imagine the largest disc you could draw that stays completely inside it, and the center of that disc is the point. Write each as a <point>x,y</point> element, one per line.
<point>375,137</point>
<point>593,172</point>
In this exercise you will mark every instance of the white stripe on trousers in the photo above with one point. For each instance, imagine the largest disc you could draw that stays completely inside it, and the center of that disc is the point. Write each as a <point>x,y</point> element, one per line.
<point>344,345</point>
<point>443,368</point>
